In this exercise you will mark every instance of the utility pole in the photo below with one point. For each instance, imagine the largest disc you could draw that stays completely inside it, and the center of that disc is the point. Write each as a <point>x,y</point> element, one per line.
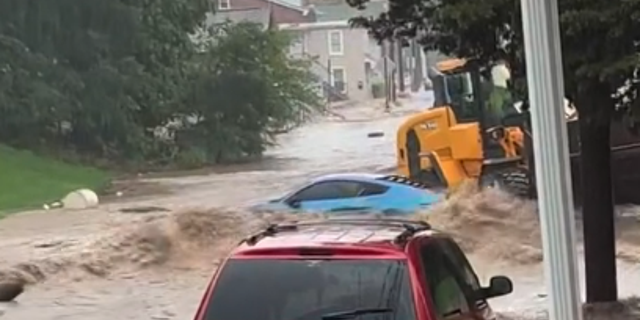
<point>400,65</point>
<point>413,67</point>
<point>417,67</point>
<point>329,84</point>
<point>553,175</point>
<point>392,58</point>
<point>385,58</point>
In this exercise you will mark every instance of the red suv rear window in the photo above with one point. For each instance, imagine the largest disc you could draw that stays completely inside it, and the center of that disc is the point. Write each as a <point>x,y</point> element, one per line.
<point>256,289</point>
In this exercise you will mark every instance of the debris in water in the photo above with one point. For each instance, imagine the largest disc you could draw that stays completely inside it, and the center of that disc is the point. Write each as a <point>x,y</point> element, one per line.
<point>10,290</point>
<point>376,134</point>
<point>52,205</point>
<point>146,209</point>
<point>48,244</point>
<point>80,199</point>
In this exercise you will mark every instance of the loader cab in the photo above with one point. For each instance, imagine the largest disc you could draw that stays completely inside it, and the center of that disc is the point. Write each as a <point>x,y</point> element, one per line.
<point>455,85</point>
<point>466,88</point>
<point>477,94</point>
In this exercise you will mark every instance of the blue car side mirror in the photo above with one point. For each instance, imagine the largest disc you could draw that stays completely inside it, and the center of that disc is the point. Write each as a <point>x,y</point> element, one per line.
<point>295,204</point>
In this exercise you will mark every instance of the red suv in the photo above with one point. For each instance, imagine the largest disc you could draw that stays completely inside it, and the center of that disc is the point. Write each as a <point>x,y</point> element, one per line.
<point>349,268</point>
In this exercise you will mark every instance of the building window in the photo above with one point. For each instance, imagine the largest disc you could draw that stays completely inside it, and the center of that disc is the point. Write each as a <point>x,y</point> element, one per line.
<point>336,42</point>
<point>339,79</point>
<point>297,44</point>
<point>224,4</point>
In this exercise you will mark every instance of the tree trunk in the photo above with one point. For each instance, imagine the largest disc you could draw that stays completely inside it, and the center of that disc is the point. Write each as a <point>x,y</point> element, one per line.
<point>597,195</point>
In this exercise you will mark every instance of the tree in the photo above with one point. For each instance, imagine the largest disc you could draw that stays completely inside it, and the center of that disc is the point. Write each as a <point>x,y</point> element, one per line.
<point>600,55</point>
<point>92,78</point>
<point>243,87</point>
<point>123,81</point>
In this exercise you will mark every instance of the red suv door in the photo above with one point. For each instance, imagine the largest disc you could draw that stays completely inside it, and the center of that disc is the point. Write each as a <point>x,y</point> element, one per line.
<point>447,284</point>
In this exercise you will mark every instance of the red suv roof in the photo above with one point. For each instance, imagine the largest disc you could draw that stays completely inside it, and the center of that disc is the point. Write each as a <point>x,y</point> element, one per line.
<point>362,258</point>
<point>364,234</point>
<point>341,268</point>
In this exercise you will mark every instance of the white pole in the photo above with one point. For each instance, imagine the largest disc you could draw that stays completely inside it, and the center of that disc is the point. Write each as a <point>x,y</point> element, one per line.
<point>553,173</point>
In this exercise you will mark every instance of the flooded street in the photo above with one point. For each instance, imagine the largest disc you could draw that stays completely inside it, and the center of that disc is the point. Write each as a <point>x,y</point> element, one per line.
<point>172,292</point>
<point>105,264</point>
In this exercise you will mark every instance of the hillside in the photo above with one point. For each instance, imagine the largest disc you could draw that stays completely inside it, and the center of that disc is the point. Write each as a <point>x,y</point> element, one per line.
<point>28,181</point>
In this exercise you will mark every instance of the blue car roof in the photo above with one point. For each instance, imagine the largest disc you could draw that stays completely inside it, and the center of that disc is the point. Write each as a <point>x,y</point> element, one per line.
<point>350,176</point>
<point>385,179</point>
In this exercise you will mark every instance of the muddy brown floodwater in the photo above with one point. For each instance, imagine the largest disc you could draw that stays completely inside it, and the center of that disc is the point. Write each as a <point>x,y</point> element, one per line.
<point>154,264</point>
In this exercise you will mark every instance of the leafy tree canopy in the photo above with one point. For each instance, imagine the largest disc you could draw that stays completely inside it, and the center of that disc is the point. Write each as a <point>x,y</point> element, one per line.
<point>111,79</point>
<point>599,39</point>
<point>244,87</point>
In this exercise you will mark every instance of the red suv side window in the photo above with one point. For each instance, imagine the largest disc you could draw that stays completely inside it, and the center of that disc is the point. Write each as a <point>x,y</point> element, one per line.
<point>460,262</point>
<point>447,292</point>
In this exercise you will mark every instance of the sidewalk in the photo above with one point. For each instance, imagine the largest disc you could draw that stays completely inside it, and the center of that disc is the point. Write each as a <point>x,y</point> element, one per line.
<point>360,111</point>
<point>419,101</point>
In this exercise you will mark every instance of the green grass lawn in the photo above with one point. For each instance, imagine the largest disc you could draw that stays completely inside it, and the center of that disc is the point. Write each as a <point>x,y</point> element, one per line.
<point>28,181</point>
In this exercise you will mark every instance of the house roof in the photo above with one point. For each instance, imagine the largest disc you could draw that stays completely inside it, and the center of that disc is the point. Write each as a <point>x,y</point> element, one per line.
<point>296,3</point>
<point>288,4</point>
<point>315,25</point>
<point>342,11</point>
<point>261,16</point>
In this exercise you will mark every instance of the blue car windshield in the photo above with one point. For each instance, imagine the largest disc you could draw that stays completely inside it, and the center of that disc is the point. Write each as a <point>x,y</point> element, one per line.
<point>311,289</point>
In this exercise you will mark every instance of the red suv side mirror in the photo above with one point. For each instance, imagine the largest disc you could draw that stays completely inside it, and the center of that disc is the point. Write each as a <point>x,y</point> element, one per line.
<point>498,286</point>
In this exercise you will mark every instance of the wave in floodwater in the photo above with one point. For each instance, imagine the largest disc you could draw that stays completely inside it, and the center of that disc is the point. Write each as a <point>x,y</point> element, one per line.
<point>155,241</point>
<point>490,223</point>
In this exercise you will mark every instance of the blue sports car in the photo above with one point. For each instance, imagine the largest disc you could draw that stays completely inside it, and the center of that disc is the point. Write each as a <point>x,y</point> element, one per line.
<point>349,193</point>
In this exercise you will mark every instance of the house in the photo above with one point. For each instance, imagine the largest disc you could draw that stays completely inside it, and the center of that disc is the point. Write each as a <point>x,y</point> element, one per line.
<point>346,59</point>
<point>268,13</point>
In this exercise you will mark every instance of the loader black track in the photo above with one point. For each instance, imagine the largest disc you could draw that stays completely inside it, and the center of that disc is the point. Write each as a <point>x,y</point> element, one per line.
<point>515,181</point>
